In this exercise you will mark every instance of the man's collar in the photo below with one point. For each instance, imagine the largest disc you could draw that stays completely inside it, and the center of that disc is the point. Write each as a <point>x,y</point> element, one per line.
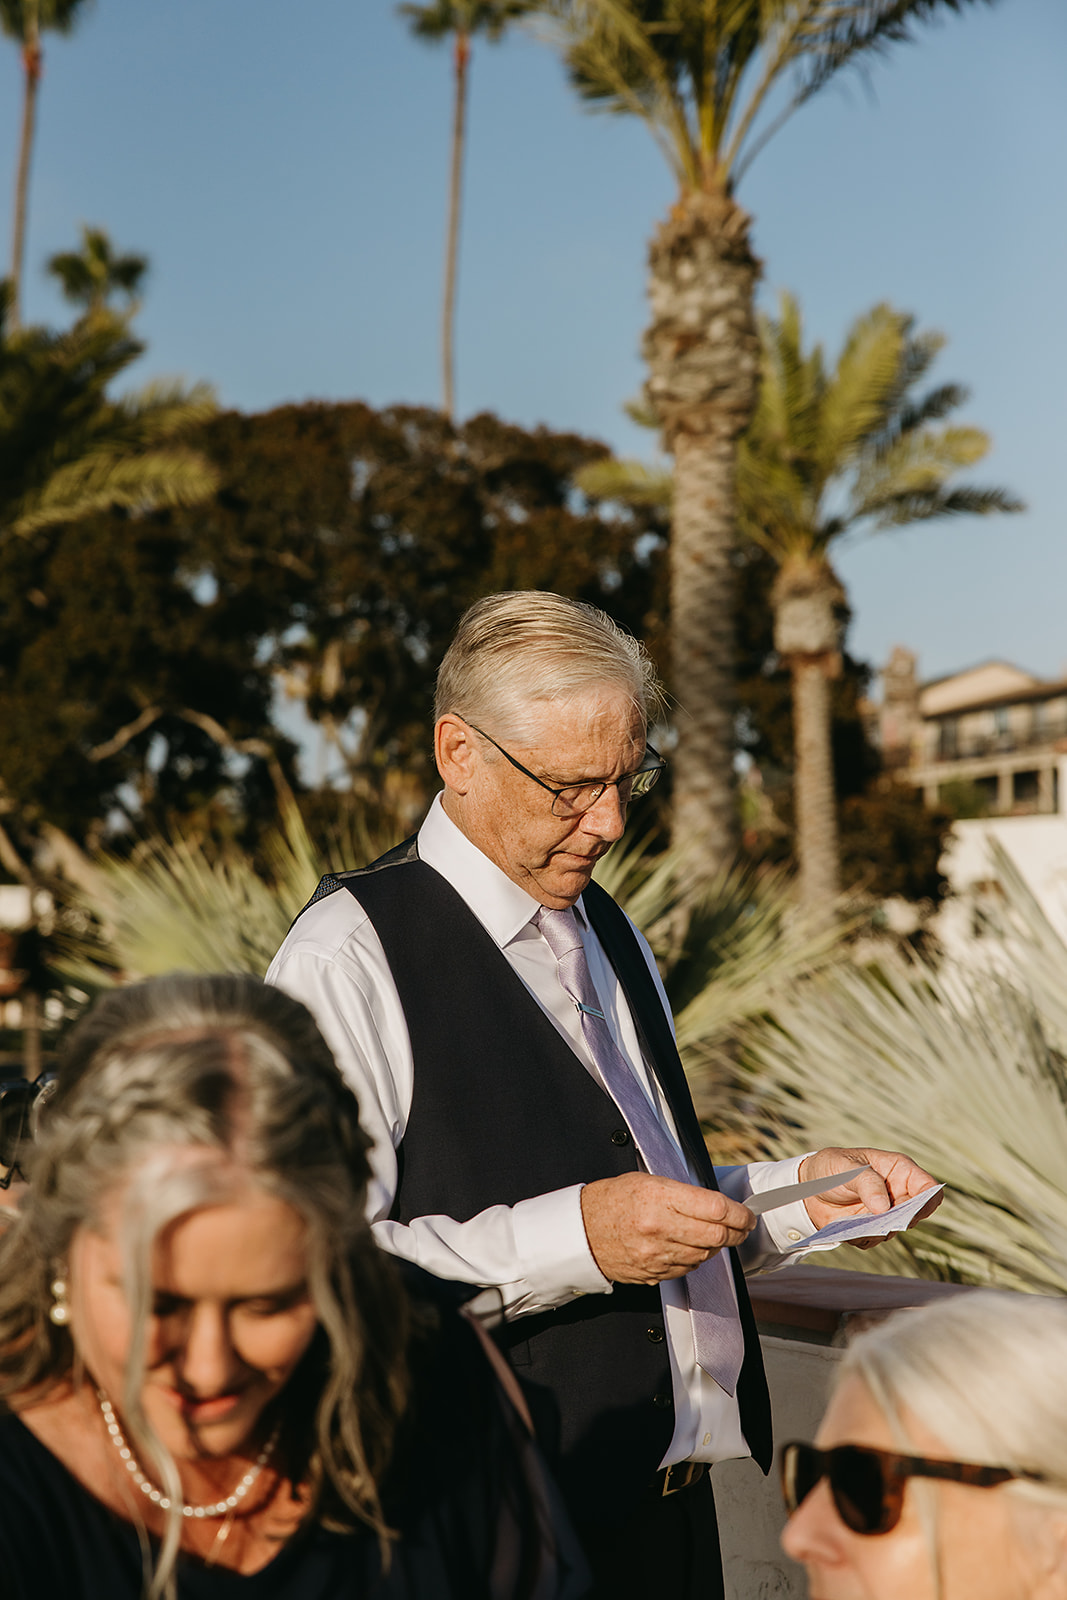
<point>497,901</point>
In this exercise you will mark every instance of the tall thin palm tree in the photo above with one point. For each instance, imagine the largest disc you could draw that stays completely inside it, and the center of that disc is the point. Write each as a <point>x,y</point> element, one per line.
<point>702,75</point>
<point>831,453</point>
<point>25,21</point>
<point>92,276</point>
<point>460,21</point>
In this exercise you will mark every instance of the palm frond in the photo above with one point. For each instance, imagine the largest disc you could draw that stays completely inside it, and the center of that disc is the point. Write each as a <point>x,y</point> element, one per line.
<point>176,905</point>
<point>861,393</point>
<point>910,477</point>
<point>720,955</point>
<point>140,483</point>
<point>631,483</point>
<point>962,1065</point>
<point>67,449</point>
<point>845,32</point>
<point>925,505</point>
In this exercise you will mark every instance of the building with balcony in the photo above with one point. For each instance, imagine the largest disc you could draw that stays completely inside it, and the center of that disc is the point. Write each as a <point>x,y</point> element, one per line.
<point>991,740</point>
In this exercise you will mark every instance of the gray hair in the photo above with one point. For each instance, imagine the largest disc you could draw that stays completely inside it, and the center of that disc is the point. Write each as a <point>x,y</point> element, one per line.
<point>986,1371</point>
<point>519,649</point>
<point>225,1065</point>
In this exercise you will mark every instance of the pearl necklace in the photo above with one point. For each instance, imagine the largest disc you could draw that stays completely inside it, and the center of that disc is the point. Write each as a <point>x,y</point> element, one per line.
<point>221,1508</point>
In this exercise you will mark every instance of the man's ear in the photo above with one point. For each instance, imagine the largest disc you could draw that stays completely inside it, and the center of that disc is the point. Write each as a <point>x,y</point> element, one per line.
<point>455,752</point>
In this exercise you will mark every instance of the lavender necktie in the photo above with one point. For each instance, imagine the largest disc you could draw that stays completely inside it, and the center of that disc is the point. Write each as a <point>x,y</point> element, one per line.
<point>717,1332</point>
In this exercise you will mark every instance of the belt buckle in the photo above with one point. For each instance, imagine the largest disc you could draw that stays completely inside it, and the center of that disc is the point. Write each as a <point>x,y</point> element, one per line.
<point>681,1475</point>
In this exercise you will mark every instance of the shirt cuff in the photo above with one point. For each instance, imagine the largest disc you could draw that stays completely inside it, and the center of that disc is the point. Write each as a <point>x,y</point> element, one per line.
<point>550,1240</point>
<point>778,1230</point>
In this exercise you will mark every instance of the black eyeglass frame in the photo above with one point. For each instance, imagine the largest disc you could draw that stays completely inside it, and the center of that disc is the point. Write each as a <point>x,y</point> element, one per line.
<point>893,1473</point>
<point>648,769</point>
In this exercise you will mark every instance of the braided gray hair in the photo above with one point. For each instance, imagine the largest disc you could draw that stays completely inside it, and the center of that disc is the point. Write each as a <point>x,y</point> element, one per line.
<point>228,1065</point>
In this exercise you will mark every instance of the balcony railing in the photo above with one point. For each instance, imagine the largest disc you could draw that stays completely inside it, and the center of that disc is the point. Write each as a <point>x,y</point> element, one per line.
<point>954,746</point>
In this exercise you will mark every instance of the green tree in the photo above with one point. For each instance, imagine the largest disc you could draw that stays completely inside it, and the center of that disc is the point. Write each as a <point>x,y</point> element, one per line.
<point>67,448</point>
<point>460,21</point>
<point>833,453</point>
<point>131,695</point>
<point>69,452</point>
<point>25,21</point>
<point>91,276</point>
<point>356,538</point>
<point>702,74</point>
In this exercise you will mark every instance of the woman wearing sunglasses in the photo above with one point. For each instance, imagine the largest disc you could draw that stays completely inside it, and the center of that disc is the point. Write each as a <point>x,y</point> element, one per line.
<point>940,1468</point>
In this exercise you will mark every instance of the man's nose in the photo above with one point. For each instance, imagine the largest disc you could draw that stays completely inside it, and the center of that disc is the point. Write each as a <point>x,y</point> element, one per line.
<point>207,1362</point>
<point>606,818</point>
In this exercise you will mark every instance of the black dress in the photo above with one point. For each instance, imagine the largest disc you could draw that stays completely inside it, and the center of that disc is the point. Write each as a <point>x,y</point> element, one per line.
<point>477,1516</point>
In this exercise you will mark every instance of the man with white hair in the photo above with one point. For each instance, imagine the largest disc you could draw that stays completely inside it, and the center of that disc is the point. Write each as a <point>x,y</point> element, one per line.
<point>504,1027</point>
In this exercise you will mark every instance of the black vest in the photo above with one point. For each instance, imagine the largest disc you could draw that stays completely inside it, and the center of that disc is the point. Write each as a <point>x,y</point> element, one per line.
<point>504,1110</point>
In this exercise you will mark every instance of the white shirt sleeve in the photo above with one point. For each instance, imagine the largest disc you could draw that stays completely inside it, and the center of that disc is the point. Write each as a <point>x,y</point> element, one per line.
<point>536,1252</point>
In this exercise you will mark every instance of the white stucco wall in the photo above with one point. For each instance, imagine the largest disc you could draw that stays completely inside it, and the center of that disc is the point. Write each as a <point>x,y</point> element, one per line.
<point>749,1506</point>
<point>1036,845</point>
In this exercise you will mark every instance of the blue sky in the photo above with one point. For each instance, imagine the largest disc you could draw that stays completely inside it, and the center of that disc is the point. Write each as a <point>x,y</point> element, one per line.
<point>284,167</point>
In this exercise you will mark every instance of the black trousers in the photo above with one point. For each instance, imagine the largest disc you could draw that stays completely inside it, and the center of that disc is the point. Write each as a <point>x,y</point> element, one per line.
<point>667,1550</point>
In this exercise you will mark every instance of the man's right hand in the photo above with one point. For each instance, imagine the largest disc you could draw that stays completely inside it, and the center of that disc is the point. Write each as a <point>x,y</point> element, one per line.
<point>642,1229</point>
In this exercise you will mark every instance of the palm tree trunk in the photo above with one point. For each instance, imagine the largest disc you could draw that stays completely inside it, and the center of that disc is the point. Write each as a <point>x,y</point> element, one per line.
<point>703,357</point>
<point>818,853</point>
<point>807,600</point>
<point>455,190</point>
<point>31,70</point>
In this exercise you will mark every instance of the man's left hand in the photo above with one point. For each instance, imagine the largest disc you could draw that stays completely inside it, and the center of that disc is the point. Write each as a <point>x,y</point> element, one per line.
<point>892,1178</point>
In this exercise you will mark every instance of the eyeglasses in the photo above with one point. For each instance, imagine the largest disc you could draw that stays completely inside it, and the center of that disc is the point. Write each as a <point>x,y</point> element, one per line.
<point>868,1485</point>
<point>575,798</point>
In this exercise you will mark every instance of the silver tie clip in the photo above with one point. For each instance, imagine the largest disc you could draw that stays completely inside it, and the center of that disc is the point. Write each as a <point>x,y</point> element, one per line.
<point>590,1011</point>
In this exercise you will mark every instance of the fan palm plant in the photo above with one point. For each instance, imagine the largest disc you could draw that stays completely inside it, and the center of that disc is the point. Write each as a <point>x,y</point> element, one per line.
<point>67,449</point>
<point>173,903</point>
<point>176,904</point>
<point>704,75</point>
<point>460,21</point>
<point>25,21</point>
<point>721,954</point>
<point>963,1066</point>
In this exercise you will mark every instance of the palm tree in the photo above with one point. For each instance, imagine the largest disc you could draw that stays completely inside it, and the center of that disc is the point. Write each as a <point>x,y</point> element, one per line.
<point>25,21</point>
<point>459,20</point>
<point>67,449</point>
<point>701,75</point>
<point>89,277</point>
<point>829,454</point>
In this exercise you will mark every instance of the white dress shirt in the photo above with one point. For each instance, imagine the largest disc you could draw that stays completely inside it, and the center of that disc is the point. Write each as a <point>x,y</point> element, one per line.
<point>536,1252</point>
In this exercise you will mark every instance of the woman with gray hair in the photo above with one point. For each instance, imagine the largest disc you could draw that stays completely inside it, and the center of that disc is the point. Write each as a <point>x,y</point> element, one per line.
<point>940,1467</point>
<point>211,1380</point>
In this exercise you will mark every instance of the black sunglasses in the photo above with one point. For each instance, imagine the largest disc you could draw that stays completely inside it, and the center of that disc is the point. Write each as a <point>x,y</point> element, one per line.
<point>868,1485</point>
